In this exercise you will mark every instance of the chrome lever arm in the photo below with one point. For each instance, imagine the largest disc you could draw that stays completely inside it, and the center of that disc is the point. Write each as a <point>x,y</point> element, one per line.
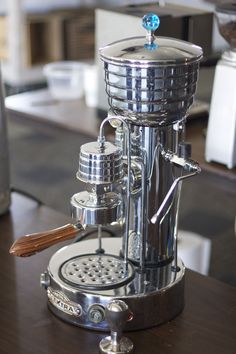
<point>190,166</point>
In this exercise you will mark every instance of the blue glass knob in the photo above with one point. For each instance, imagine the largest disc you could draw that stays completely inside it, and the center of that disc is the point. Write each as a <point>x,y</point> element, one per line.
<point>151,21</point>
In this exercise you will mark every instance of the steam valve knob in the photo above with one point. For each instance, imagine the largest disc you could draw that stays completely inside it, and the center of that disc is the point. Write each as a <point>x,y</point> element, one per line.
<point>151,22</point>
<point>117,313</point>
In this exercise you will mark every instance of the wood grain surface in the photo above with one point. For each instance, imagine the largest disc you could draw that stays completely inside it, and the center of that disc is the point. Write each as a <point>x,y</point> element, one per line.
<point>207,324</point>
<point>30,244</point>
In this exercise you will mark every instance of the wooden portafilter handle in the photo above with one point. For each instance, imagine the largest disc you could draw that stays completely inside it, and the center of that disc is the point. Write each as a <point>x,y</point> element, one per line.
<point>30,244</point>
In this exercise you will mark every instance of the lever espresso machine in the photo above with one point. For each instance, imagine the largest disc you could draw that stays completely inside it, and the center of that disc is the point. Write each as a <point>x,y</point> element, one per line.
<point>135,182</point>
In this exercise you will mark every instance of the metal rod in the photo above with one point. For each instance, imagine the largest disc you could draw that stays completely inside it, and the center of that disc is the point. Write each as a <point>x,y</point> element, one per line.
<point>168,195</point>
<point>143,209</point>
<point>176,227</point>
<point>142,221</point>
<point>101,140</point>
<point>99,238</point>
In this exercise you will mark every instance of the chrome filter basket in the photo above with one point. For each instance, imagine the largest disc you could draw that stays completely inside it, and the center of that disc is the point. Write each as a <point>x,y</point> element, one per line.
<point>136,183</point>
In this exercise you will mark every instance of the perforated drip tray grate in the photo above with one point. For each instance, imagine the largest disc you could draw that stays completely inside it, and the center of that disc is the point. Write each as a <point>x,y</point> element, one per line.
<point>96,272</point>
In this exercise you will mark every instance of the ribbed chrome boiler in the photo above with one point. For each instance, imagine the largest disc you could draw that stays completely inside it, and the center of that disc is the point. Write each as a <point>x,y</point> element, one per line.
<point>152,87</point>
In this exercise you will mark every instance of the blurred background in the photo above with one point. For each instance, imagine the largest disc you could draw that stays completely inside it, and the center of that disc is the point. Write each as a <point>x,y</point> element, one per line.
<point>34,33</point>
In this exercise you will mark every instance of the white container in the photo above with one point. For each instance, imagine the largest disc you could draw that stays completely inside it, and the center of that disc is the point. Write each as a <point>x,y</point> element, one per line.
<point>91,85</point>
<point>221,130</point>
<point>65,79</point>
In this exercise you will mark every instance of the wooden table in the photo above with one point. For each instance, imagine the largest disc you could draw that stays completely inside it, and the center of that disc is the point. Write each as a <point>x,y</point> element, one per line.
<point>41,107</point>
<point>207,325</point>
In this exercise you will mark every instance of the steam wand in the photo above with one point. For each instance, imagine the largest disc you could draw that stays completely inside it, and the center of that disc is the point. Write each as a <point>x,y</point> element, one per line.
<point>191,166</point>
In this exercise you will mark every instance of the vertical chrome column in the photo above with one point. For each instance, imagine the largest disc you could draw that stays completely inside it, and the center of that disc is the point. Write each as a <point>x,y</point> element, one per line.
<point>150,82</point>
<point>147,145</point>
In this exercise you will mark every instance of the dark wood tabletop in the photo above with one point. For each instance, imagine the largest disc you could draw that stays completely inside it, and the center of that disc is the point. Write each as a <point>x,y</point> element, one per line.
<point>207,324</point>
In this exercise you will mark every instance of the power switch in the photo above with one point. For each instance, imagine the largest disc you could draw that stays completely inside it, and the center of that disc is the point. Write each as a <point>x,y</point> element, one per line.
<point>96,313</point>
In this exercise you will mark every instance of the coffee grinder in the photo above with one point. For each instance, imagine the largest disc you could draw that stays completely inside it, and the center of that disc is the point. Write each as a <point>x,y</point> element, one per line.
<point>221,132</point>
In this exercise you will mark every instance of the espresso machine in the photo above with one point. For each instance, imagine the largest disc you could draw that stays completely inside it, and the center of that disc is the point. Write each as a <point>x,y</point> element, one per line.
<point>135,281</point>
<point>221,131</point>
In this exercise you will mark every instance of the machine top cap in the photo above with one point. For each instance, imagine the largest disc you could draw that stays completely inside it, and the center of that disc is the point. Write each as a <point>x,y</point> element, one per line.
<point>150,50</point>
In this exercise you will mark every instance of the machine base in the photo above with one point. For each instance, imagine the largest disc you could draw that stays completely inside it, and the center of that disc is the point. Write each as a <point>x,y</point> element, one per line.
<point>153,296</point>
<point>126,346</point>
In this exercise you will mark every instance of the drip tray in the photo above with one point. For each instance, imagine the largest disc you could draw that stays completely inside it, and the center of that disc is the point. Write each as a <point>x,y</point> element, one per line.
<point>96,272</point>
<point>79,283</point>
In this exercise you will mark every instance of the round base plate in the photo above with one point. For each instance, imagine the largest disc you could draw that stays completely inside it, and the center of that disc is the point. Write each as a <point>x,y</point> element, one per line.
<point>154,296</point>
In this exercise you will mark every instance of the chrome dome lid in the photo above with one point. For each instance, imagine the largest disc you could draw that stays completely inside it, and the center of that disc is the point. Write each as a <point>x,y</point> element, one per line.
<point>150,50</point>
<point>133,52</point>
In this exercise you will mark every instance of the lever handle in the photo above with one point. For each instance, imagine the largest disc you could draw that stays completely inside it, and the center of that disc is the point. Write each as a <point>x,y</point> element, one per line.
<point>30,244</point>
<point>190,167</point>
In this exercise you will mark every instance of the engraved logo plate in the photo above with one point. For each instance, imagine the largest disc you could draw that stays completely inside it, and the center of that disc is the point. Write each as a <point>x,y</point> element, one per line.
<point>61,301</point>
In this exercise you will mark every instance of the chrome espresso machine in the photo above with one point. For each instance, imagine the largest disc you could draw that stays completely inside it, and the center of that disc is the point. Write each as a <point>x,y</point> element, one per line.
<point>135,281</point>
